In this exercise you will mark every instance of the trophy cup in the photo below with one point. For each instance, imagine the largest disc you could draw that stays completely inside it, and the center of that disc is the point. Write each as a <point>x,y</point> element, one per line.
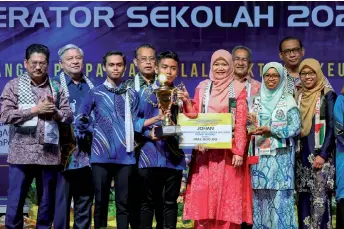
<point>166,97</point>
<point>251,125</point>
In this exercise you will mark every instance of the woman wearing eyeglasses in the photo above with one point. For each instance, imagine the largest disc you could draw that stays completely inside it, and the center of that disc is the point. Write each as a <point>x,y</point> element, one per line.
<point>273,176</point>
<point>314,166</point>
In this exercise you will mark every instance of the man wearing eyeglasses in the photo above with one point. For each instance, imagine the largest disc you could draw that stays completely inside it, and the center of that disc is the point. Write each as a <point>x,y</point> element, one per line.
<point>242,61</point>
<point>145,62</point>
<point>34,106</point>
<point>291,52</point>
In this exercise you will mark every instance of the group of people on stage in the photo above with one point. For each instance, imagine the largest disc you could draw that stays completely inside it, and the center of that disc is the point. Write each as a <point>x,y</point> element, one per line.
<point>295,145</point>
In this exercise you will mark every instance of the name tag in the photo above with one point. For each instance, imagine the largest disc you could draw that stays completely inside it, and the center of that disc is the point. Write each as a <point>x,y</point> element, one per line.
<point>279,124</point>
<point>263,146</point>
<point>51,132</point>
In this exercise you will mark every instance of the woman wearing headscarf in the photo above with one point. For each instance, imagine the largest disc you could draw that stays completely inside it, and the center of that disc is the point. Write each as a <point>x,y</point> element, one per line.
<point>314,158</point>
<point>214,194</point>
<point>273,176</point>
<point>339,133</point>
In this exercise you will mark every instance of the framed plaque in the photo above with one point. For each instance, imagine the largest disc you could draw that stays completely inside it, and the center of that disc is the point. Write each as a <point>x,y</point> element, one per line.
<point>211,130</point>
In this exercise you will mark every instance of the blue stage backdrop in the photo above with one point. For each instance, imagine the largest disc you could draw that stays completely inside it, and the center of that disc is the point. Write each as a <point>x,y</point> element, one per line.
<point>192,29</point>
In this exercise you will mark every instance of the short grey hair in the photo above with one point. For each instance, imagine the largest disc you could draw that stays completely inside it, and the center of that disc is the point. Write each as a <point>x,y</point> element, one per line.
<point>68,47</point>
<point>244,48</point>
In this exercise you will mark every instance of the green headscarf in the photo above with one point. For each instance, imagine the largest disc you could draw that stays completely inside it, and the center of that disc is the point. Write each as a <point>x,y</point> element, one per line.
<point>270,98</point>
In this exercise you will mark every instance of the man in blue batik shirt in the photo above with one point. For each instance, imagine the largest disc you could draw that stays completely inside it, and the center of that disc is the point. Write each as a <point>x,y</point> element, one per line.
<point>75,179</point>
<point>161,162</point>
<point>145,62</point>
<point>115,108</point>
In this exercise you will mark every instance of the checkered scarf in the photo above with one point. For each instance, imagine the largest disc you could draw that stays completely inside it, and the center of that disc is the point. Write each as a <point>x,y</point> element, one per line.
<point>25,92</point>
<point>65,87</point>
<point>26,97</point>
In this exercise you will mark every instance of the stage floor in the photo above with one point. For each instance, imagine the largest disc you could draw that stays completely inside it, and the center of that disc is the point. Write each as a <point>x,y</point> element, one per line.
<point>30,222</point>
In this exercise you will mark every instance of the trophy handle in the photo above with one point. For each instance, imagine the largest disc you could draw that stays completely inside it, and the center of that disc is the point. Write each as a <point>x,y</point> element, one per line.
<point>148,99</point>
<point>175,96</point>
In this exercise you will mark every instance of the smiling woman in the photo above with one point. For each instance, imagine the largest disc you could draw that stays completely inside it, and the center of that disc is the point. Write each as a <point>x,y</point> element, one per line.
<point>217,176</point>
<point>308,77</point>
<point>272,78</point>
<point>314,160</point>
<point>273,178</point>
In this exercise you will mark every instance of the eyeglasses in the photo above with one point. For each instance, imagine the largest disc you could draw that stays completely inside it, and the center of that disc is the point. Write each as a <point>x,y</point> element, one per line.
<point>41,64</point>
<point>241,59</point>
<point>272,76</point>
<point>304,74</point>
<point>287,52</point>
<point>146,59</point>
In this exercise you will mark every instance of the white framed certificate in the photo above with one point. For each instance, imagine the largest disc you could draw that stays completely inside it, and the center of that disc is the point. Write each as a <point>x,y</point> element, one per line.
<point>211,130</point>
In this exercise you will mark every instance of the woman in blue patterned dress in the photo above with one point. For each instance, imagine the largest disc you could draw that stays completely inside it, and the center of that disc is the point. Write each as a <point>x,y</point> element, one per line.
<point>273,176</point>
<point>314,160</point>
<point>339,132</point>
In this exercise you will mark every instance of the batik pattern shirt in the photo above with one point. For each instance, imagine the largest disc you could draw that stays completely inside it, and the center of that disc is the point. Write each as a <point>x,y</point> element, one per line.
<point>109,143</point>
<point>162,153</point>
<point>29,148</point>
<point>77,92</point>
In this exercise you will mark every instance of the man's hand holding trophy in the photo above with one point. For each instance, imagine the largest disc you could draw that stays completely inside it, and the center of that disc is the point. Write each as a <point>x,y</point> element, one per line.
<point>167,95</point>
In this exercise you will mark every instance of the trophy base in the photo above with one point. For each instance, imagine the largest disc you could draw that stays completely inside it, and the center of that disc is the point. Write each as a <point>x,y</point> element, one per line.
<point>163,131</point>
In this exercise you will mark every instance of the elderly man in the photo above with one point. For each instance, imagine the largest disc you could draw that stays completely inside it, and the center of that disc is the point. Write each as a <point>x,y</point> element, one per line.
<point>34,106</point>
<point>242,61</point>
<point>75,179</point>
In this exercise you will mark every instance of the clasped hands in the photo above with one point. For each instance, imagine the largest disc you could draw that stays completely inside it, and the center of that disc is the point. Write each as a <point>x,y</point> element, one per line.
<point>318,162</point>
<point>44,106</point>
